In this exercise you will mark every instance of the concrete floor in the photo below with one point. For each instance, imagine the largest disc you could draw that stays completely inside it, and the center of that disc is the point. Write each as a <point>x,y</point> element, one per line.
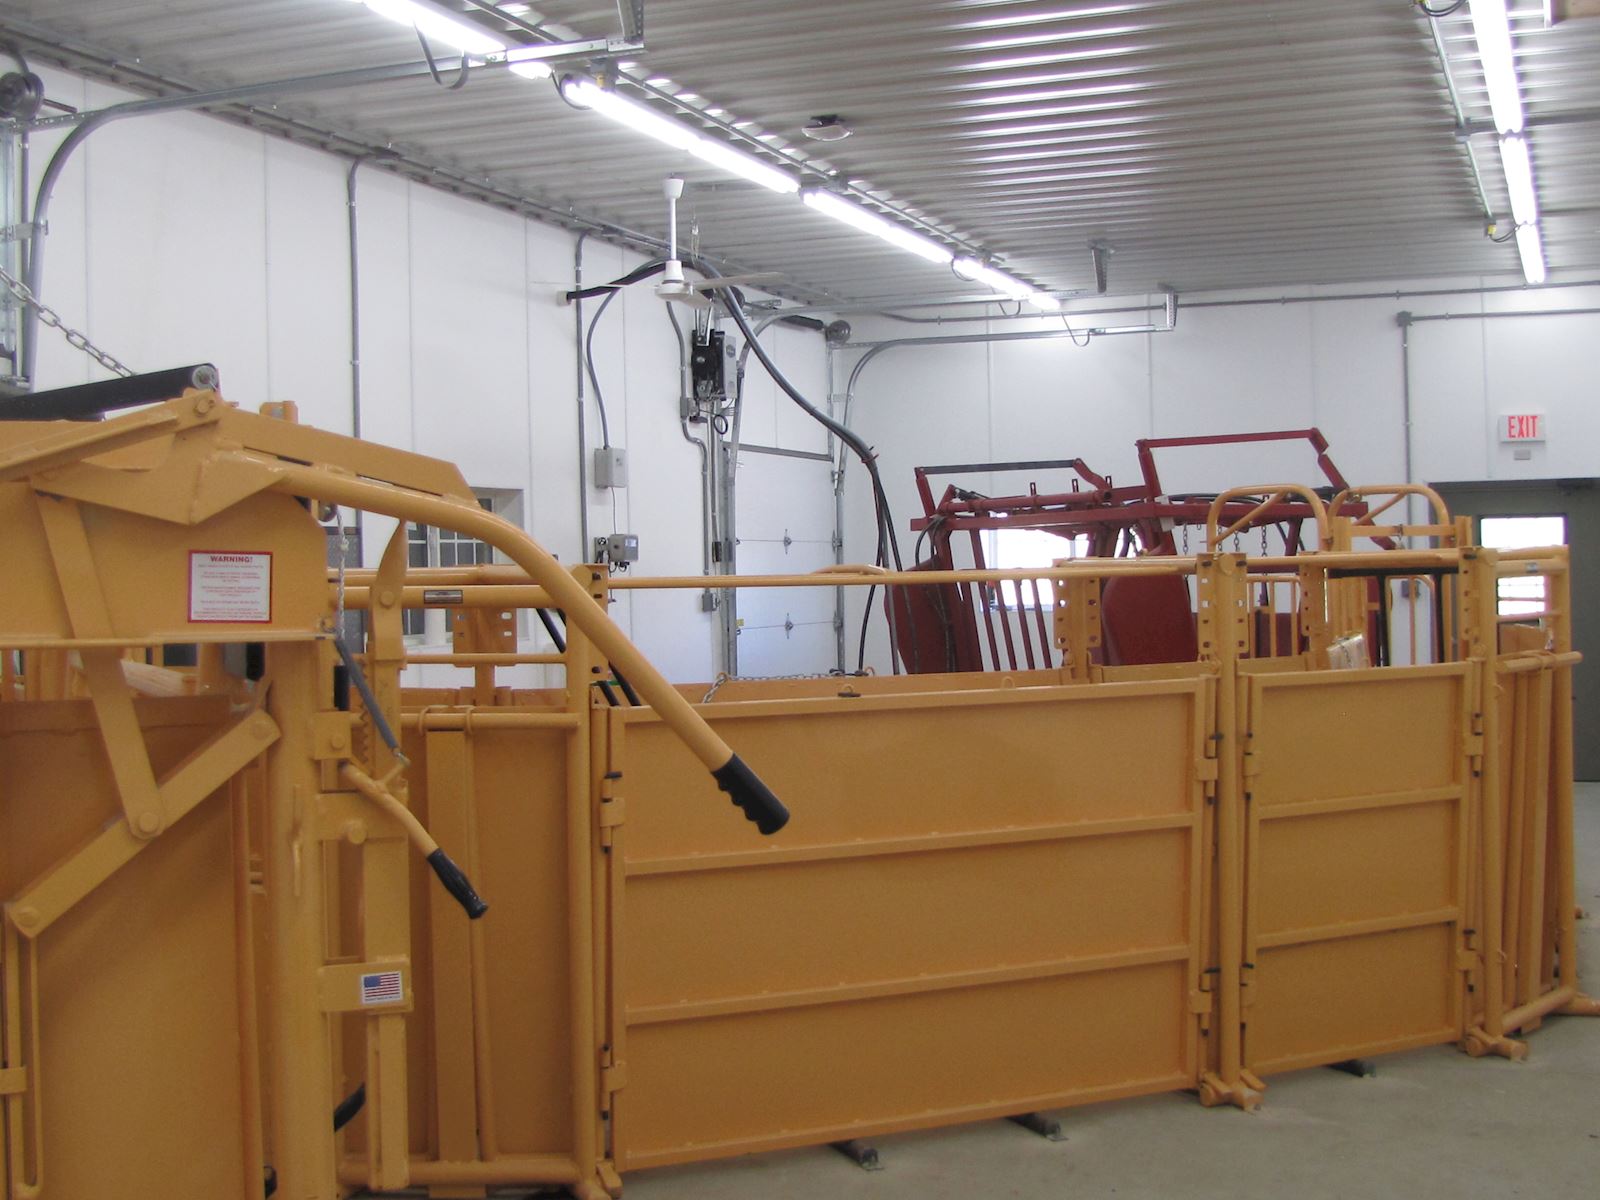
<point>1431,1123</point>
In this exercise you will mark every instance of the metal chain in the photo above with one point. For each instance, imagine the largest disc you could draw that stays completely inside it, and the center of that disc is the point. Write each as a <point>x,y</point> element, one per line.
<point>49,316</point>
<point>723,677</point>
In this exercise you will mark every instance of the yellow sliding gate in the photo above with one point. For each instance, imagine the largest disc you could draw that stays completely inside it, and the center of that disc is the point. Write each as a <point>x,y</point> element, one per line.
<point>972,867</point>
<point>228,974</point>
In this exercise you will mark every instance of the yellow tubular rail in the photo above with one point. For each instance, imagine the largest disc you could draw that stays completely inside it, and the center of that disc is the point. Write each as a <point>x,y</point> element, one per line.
<point>730,772</point>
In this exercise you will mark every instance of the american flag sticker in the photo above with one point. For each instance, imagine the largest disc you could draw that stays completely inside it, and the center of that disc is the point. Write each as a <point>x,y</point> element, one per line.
<point>382,987</point>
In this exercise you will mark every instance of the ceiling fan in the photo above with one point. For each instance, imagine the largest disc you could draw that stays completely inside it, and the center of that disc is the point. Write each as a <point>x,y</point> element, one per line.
<point>674,288</point>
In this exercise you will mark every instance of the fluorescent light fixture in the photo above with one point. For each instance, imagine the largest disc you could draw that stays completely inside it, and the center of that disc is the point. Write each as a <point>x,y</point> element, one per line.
<point>746,166</point>
<point>586,93</point>
<point>439,25</point>
<point>529,61</point>
<point>1518,166</point>
<point>1007,285</point>
<point>857,217</point>
<point>1492,28</point>
<point>1531,247</point>
<point>641,118</point>
<point>971,268</point>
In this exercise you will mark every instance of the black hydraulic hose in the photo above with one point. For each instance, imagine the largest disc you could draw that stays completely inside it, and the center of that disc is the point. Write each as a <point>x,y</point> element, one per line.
<point>888,541</point>
<point>349,1107</point>
<point>359,678</point>
<point>560,643</point>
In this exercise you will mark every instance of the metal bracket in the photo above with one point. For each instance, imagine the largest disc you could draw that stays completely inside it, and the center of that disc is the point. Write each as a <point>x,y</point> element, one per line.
<point>632,14</point>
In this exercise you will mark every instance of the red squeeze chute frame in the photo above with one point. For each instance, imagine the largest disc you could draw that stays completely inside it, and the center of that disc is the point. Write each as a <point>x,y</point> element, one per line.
<point>949,627</point>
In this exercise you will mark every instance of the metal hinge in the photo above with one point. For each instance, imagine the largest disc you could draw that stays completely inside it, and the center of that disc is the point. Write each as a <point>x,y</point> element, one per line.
<point>613,1077</point>
<point>1252,760</point>
<point>612,813</point>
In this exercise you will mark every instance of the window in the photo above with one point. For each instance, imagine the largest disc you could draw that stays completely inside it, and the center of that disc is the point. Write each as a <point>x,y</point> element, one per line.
<point>1030,549</point>
<point>1520,594</point>
<point>429,546</point>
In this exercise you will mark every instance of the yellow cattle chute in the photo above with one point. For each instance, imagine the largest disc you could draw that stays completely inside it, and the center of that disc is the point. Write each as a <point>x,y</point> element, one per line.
<point>1000,892</point>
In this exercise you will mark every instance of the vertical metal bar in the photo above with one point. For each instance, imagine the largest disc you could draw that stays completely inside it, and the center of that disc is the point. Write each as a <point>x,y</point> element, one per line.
<point>980,598</point>
<point>455,1084</point>
<point>1516,806</point>
<point>244,951</point>
<point>297,1030</point>
<point>1022,621</point>
<point>583,666</point>
<point>1222,636</point>
<point>1561,739</point>
<point>1537,765</point>
<point>1479,626</point>
<point>1038,612</point>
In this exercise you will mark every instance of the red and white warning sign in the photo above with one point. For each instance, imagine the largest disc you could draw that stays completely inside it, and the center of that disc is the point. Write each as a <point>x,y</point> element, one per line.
<point>230,586</point>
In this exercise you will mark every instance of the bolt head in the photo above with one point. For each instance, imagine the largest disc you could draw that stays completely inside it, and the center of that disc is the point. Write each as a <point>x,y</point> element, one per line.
<point>148,822</point>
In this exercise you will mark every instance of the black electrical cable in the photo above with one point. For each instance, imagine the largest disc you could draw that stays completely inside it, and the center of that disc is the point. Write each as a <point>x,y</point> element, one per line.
<point>732,299</point>
<point>888,541</point>
<point>1436,13</point>
<point>560,643</point>
<point>641,272</point>
<point>588,364</point>
<point>433,67</point>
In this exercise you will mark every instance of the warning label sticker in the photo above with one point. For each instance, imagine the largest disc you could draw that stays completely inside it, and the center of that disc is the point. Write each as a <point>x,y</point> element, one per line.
<point>230,586</point>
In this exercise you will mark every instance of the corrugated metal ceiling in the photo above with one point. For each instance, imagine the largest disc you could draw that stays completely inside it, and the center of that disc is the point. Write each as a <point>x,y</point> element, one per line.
<point>1211,143</point>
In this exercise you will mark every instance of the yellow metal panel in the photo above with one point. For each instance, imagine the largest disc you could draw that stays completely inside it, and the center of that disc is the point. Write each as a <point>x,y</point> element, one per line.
<point>1355,896</point>
<point>1354,866</point>
<point>1326,1001</point>
<point>972,867</point>
<point>926,764</point>
<point>901,916</point>
<point>518,796</point>
<point>143,564</point>
<point>1358,733</point>
<point>115,1032</point>
<point>706,1089</point>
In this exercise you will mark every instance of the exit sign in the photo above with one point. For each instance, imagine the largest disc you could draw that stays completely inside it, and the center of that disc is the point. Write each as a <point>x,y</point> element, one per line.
<point>1522,427</point>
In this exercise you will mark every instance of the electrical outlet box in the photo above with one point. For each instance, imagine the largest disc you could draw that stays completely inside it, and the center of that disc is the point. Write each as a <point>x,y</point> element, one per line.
<point>707,364</point>
<point>619,549</point>
<point>610,467</point>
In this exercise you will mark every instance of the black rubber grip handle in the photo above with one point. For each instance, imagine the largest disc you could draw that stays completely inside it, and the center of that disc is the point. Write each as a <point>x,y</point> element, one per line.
<point>457,884</point>
<point>750,794</point>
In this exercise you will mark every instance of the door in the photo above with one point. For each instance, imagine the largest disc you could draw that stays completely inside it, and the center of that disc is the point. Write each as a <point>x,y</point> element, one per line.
<point>1577,503</point>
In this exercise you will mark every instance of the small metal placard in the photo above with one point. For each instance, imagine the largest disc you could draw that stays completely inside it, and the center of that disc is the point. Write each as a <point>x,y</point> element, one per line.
<point>441,596</point>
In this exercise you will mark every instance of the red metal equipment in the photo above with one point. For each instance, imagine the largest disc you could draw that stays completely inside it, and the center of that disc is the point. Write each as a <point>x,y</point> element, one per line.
<point>957,627</point>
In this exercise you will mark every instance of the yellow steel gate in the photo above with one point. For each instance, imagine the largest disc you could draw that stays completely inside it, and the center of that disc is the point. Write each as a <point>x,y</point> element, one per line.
<point>1356,862</point>
<point>992,906</point>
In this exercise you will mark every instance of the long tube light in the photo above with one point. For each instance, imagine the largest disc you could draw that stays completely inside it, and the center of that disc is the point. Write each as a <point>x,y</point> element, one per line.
<point>1491,28</point>
<point>1531,247</point>
<point>641,118</point>
<point>440,25</point>
<point>467,37</point>
<point>1007,285</point>
<point>857,217</point>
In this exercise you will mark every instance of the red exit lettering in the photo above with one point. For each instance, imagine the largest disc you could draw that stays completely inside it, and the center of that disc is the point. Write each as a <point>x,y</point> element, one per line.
<point>1522,427</point>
